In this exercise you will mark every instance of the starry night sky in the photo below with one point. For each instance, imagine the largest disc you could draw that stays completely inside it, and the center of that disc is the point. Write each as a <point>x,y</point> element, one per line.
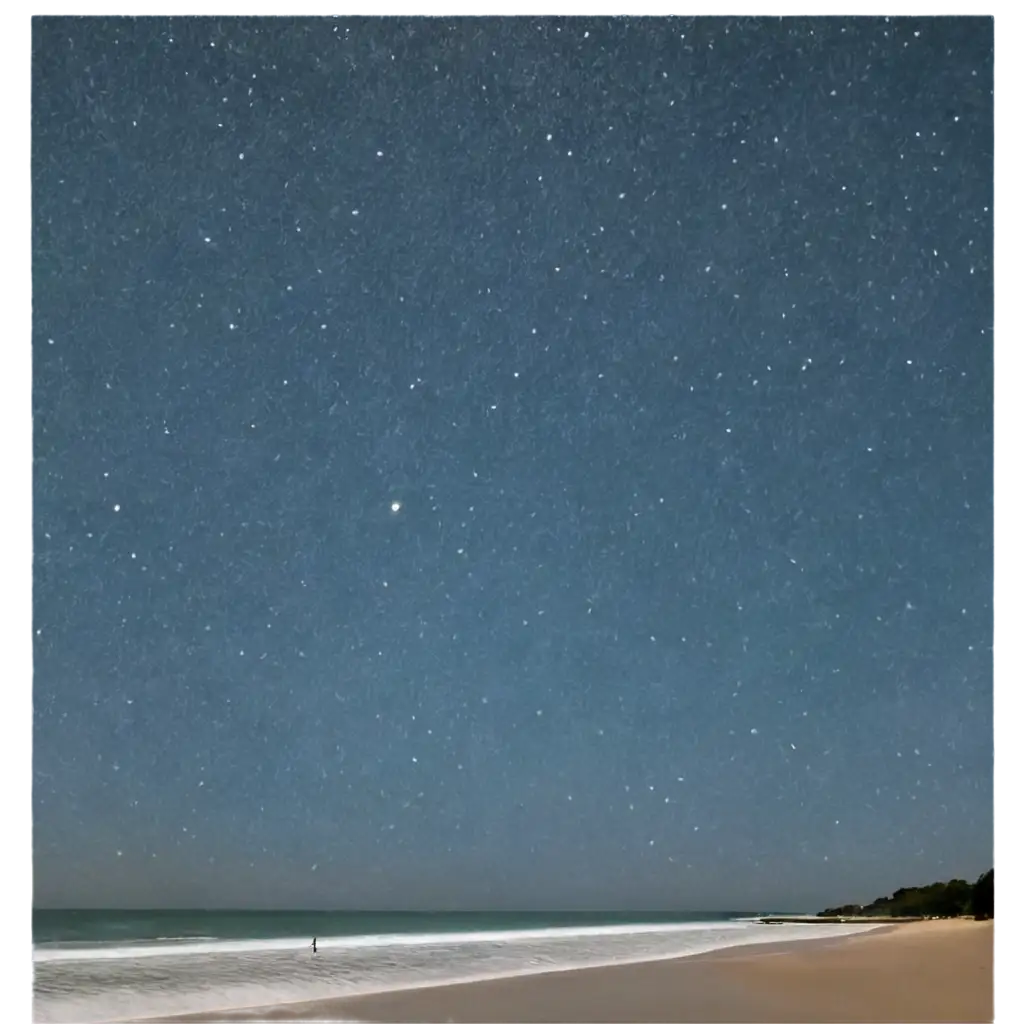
<point>511,462</point>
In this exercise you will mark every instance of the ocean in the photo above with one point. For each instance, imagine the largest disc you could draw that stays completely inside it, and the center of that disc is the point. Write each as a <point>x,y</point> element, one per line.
<point>92,966</point>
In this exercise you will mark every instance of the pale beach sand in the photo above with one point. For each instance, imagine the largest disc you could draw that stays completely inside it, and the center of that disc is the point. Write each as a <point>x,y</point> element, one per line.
<point>926,971</point>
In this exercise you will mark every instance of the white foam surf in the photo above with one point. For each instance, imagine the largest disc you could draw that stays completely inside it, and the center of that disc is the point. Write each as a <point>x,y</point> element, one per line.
<point>132,982</point>
<point>190,947</point>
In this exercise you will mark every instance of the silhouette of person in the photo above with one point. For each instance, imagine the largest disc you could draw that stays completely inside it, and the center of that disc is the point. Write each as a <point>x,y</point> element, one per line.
<point>314,943</point>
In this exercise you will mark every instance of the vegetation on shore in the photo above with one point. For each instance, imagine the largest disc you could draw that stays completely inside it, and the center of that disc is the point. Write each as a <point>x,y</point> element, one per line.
<point>954,898</point>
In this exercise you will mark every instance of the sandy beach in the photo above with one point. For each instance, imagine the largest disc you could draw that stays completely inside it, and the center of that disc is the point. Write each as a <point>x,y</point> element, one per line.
<point>926,971</point>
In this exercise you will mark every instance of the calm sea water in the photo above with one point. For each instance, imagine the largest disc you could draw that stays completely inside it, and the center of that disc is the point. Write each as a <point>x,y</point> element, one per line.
<point>67,928</point>
<point>93,966</point>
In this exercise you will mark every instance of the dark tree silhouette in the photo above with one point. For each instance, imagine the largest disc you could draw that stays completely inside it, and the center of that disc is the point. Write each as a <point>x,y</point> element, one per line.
<point>983,897</point>
<point>940,899</point>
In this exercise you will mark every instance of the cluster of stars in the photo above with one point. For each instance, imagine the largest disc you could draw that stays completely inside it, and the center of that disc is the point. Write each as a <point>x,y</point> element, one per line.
<point>554,466</point>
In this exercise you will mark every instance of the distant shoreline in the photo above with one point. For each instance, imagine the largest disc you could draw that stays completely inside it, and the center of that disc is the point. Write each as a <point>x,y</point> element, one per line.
<point>838,919</point>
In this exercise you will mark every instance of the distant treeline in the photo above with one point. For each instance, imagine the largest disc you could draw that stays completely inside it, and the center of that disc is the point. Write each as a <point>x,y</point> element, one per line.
<point>940,899</point>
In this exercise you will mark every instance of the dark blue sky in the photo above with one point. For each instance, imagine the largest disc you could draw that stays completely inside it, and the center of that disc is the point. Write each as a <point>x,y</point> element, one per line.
<point>511,462</point>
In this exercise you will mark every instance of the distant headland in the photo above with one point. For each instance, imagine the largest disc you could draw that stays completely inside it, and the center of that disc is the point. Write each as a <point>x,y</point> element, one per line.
<point>955,898</point>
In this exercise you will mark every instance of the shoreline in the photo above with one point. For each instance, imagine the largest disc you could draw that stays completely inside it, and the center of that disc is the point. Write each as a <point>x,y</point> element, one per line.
<point>899,972</point>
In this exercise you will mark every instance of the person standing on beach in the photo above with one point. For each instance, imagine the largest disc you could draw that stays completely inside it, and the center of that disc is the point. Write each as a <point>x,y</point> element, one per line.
<point>314,945</point>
